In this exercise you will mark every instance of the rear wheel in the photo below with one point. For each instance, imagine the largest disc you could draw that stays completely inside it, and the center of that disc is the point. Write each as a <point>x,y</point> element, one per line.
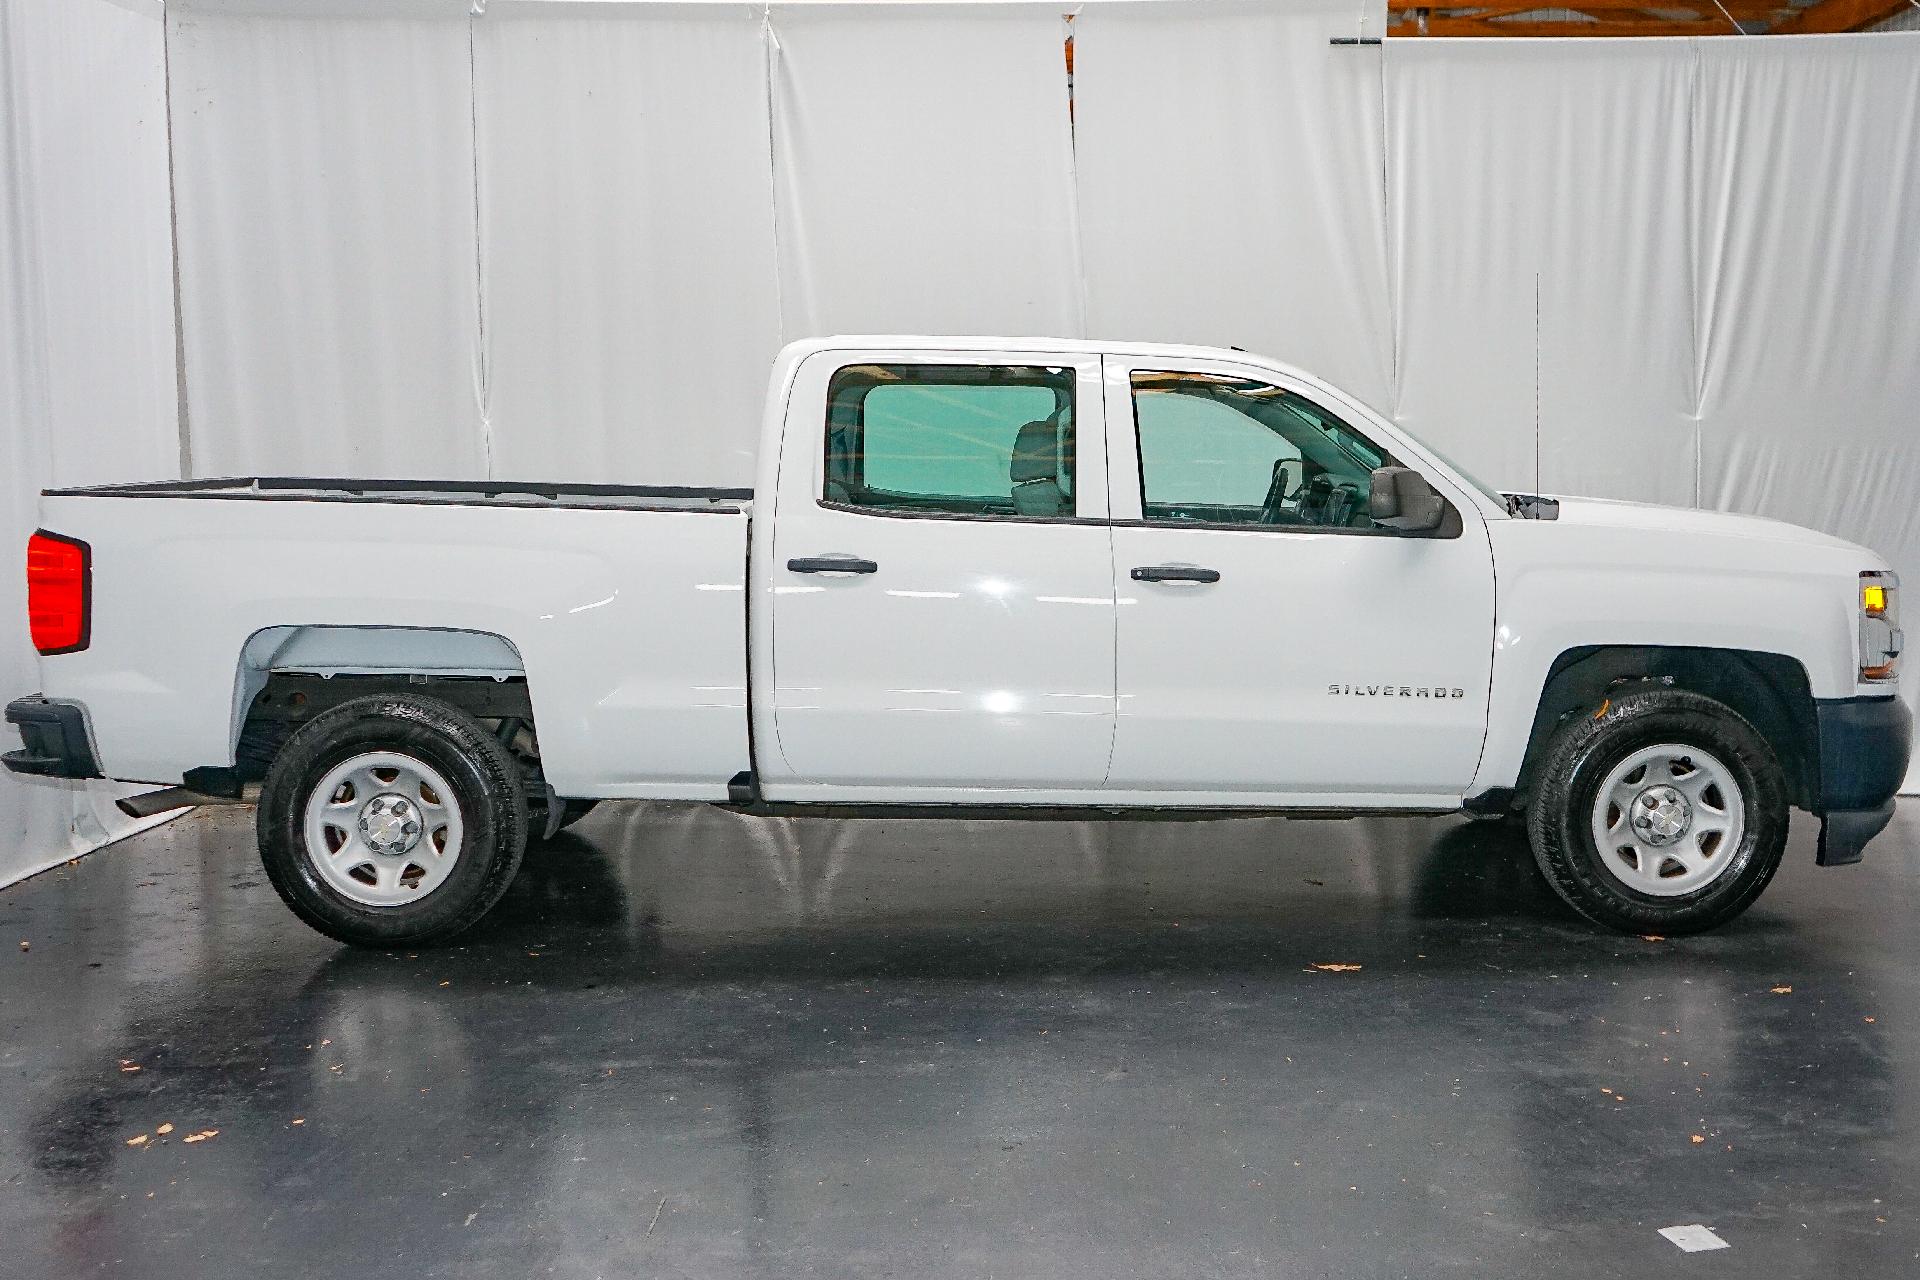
<point>392,821</point>
<point>1664,812</point>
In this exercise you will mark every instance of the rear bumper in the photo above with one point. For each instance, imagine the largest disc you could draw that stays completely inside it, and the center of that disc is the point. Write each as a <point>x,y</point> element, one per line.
<point>54,737</point>
<point>1864,747</point>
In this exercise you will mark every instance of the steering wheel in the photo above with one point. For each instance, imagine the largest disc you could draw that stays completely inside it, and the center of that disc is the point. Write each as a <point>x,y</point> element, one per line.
<point>1282,487</point>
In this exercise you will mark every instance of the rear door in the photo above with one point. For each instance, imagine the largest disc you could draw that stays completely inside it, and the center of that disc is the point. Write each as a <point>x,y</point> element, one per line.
<point>1273,644</point>
<point>942,599</point>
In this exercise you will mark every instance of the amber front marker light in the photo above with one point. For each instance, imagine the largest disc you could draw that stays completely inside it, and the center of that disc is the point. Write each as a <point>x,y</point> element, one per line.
<point>1881,639</point>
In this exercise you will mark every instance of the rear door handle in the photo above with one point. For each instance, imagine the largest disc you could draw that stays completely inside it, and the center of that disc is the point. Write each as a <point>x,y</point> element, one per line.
<point>831,564</point>
<point>1174,573</point>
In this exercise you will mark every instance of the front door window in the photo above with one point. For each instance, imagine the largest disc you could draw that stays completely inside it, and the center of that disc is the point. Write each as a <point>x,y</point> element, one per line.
<point>1226,450</point>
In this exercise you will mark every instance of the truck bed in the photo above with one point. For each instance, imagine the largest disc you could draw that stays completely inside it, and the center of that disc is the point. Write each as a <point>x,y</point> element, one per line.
<point>624,608</point>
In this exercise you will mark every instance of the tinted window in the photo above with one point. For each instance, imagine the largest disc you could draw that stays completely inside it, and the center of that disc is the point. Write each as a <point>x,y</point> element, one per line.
<point>968,439</point>
<point>1235,451</point>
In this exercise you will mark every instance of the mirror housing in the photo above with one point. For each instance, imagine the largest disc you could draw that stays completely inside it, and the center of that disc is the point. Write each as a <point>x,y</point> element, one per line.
<point>1400,498</point>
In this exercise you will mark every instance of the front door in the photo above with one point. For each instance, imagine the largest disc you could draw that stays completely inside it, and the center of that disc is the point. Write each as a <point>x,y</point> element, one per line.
<point>1271,641</point>
<point>942,595</point>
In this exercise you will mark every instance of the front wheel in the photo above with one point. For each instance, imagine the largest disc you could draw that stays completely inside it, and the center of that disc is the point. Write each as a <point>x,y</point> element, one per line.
<point>392,821</point>
<point>1665,812</point>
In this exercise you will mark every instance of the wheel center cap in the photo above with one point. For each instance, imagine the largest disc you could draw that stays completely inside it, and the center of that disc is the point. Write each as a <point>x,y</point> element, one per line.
<point>390,823</point>
<point>1661,815</point>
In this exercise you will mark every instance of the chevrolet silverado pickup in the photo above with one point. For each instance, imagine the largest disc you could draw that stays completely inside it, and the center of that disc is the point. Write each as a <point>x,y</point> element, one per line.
<point>988,576</point>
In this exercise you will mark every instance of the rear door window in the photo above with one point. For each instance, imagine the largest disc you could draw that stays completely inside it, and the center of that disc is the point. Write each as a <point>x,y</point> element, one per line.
<point>975,440</point>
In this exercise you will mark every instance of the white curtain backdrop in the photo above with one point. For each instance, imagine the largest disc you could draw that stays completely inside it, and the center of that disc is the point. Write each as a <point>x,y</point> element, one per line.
<point>87,387</point>
<point>560,239</point>
<point>324,180</point>
<point>924,170</point>
<point>1231,182</point>
<point>626,239</point>
<point>1542,286</point>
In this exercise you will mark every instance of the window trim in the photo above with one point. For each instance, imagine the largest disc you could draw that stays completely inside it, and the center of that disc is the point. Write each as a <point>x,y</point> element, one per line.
<point>966,517</point>
<point>1090,480</point>
<point>1117,374</point>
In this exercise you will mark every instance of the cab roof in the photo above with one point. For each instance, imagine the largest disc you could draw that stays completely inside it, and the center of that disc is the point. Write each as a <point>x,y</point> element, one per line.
<point>795,351</point>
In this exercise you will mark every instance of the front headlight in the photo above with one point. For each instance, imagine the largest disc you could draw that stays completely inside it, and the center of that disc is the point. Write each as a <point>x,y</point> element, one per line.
<point>1880,638</point>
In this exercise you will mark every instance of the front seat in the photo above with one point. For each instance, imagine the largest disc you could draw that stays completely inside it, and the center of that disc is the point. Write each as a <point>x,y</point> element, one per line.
<point>1035,471</point>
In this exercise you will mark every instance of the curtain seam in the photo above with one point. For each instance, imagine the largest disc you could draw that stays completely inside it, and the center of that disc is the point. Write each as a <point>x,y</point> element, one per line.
<point>485,362</point>
<point>182,420</point>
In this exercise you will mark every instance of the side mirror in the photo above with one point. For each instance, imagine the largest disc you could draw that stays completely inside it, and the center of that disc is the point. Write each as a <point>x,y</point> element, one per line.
<point>1401,498</point>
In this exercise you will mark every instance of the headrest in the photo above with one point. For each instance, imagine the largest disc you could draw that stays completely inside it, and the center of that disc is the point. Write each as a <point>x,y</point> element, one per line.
<point>1036,453</point>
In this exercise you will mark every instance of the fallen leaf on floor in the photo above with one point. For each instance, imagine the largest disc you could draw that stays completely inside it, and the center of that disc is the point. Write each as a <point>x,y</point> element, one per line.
<point>1781,991</point>
<point>1605,1089</point>
<point>1866,1019</point>
<point>24,945</point>
<point>201,1136</point>
<point>1337,968</point>
<point>128,1068</point>
<point>1653,937</point>
<point>140,1141</point>
<point>1698,1138</point>
<point>164,1129</point>
<point>299,1119</point>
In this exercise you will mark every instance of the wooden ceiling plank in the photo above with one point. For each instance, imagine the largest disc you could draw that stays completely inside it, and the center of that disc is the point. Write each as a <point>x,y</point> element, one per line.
<point>1759,10</point>
<point>1838,15</point>
<point>1442,25</point>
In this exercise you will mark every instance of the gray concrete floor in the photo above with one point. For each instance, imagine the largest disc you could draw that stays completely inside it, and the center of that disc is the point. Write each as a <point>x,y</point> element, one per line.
<point>694,1044</point>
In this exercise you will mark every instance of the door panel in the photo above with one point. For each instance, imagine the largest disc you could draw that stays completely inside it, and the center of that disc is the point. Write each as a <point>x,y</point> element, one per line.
<point>977,651</point>
<point>1326,659</point>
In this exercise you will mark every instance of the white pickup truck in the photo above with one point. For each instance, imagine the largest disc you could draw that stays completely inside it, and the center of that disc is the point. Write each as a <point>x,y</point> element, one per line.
<point>990,576</point>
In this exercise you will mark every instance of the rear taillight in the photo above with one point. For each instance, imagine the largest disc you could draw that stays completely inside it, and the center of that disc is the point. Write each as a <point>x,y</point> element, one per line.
<point>59,593</point>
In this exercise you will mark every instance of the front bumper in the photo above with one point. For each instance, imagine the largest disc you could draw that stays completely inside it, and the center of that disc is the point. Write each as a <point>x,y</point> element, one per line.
<point>1864,747</point>
<point>54,734</point>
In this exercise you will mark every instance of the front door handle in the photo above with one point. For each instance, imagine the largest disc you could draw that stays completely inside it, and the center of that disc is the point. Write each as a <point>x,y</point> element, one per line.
<point>1174,573</point>
<point>831,564</point>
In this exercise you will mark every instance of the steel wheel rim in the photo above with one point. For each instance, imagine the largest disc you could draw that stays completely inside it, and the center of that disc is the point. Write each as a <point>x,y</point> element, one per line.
<point>1668,819</point>
<point>383,829</point>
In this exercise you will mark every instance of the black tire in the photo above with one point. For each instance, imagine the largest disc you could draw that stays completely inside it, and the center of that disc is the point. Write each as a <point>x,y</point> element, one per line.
<point>1578,761</point>
<point>487,792</point>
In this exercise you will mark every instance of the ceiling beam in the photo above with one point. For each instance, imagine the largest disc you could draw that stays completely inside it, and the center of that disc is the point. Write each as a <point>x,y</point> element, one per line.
<point>1440,24</point>
<point>1838,15</point>
<point>1756,10</point>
